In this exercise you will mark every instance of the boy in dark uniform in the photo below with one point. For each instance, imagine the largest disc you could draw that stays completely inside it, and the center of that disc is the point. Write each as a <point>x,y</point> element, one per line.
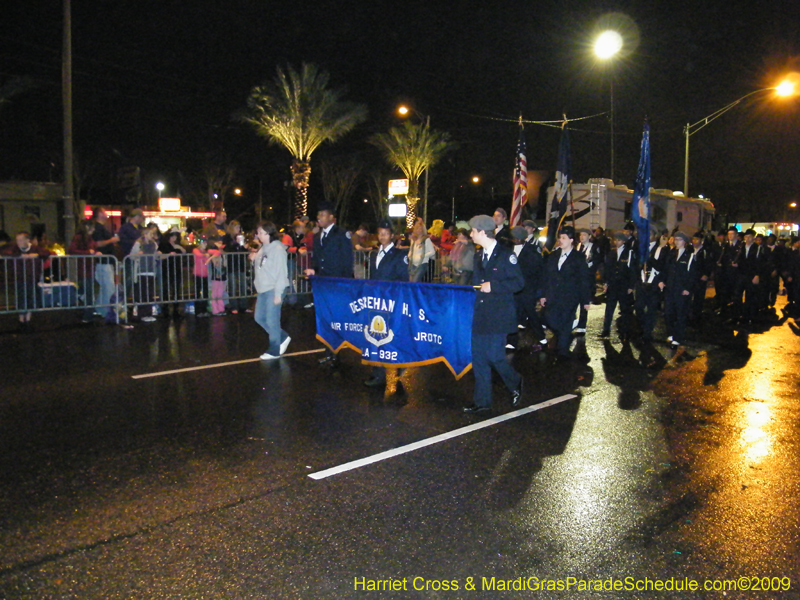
<point>387,264</point>
<point>496,278</point>
<point>648,294</point>
<point>680,278</point>
<point>621,271</point>
<point>566,286</point>
<point>332,256</point>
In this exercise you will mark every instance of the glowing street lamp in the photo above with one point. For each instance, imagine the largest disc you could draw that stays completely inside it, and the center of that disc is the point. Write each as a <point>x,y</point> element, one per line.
<point>160,188</point>
<point>607,45</point>
<point>476,179</point>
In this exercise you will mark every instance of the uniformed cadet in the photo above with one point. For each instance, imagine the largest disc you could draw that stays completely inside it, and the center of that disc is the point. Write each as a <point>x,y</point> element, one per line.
<point>531,264</point>
<point>704,267</point>
<point>648,294</point>
<point>496,278</point>
<point>593,254</point>
<point>387,264</point>
<point>677,283</point>
<point>620,274</point>
<point>332,256</point>
<point>725,285</point>
<point>566,286</point>
<point>751,262</point>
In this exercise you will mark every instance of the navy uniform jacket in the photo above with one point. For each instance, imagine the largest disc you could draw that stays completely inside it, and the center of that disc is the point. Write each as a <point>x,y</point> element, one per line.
<point>504,236</point>
<point>496,312</point>
<point>570,287</point>
<point>393,267</point>
<point>622,270</point>
<point>680,276</point>
<point>332,257</point>
<point>654,268</point>
<point>751,263</point>
<point>595,256</point>
<point>531,264</point>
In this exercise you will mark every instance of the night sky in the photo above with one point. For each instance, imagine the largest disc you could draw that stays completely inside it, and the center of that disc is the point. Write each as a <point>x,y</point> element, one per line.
<point>156,85</point>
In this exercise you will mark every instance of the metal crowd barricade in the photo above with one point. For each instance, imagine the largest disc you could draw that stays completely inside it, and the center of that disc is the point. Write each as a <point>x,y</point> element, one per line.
<point>73,282</point>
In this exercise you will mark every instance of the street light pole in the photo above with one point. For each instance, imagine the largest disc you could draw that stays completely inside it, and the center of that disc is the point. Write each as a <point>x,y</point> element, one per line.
<point>693,128</point>
<point>606,46</point>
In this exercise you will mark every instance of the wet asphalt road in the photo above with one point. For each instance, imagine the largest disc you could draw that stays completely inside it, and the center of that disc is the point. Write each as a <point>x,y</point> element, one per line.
<point>195,484</point>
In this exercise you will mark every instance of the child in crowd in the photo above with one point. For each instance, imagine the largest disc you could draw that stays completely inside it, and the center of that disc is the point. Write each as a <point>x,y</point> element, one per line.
<point>218,273</point>
<point>145,253</point>
<point>201,257</point>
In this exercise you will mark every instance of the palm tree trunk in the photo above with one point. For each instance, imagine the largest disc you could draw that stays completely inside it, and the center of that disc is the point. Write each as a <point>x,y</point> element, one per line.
<point>301,172</point>
<point>412,199</point>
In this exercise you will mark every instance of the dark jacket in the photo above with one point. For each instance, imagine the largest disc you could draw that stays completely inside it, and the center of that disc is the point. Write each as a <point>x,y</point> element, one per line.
<point>333,256</point>
<point>654,268</point>
<point>752,262</point>
<point>569,287</point>
<point>622,270</point>
<point>680,275</point>
<point>393,267</point>
<point>593,259</point>
<point>531,264</point>
<point>496,311</point>
<point>504,237</point>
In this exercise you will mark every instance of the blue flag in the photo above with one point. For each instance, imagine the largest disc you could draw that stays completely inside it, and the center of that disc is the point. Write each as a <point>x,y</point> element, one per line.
<point>558,206</point>
<point>641,197</point>
<point>397,324</point>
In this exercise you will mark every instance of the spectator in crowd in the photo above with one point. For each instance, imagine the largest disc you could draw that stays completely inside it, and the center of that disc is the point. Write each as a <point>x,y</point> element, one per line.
<point>271,281</point>
<point>83,246</point>
<point>105,270</point>
<point>27,273</point>
<point>201,257</point>
<point>235,255</point>
<point>420,253</point>
<point>459,263</point>
<point>218,274</point>
<point>448,238</point>
<point>361,238</point>
<point>172,267</point>
<point>144,260</point>
<point>312,229</point>
<point>128,234</point>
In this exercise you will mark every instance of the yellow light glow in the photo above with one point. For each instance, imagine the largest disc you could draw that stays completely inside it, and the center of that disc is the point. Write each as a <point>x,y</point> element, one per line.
<point>608,44</point>
<point>238,191</point>
<point>476,179</point>
<point>786,88</point>
<point>403,110</point>
<point>793,205</point>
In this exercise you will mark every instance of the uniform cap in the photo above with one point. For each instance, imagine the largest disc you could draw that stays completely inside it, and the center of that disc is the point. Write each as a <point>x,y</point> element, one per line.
<point>620,236</point>
<point>482,222</point>
<point>529,223</point>
<point>519,233</point>
<point>680,234</point>
<point>385,224</point>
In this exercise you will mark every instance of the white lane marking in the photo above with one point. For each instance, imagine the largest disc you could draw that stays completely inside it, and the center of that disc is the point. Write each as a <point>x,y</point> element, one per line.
<point>225,364</point>
<point>436,439</point>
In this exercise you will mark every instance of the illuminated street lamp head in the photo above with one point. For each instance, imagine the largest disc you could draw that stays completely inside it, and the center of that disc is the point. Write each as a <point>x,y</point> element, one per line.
<point>403,110</point>
<point>160,186</point>
<point>238,191</point>
<point>476,179</point>
<point>793,205</point>
<point>785,88</point>
<point>607,44</point>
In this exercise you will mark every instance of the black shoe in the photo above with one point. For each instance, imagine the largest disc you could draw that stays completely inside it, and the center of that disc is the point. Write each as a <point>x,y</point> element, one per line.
<point>474,409</point>
<point>516,395</point>
<point>331,361</point>
<point>375,382</point>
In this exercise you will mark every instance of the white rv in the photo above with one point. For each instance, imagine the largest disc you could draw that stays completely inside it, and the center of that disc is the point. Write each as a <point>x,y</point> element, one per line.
<point>600,203</point>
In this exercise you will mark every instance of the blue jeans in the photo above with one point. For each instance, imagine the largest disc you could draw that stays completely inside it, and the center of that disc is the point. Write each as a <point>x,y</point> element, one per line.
<point>268,315</point>
<point>104,275</point>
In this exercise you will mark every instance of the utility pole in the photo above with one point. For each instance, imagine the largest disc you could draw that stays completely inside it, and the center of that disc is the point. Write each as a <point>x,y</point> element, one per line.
<point>68,196</point>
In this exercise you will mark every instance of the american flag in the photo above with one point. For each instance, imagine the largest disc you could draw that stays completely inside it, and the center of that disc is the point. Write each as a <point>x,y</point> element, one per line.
<point>520,182</point>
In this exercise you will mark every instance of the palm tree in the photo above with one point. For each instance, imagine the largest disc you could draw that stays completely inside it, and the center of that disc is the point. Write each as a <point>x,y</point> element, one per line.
<point>412,149</point>
<point>299,111</point>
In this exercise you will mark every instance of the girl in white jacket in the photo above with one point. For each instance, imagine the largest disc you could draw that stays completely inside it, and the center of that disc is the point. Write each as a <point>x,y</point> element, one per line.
<point>270,278</point>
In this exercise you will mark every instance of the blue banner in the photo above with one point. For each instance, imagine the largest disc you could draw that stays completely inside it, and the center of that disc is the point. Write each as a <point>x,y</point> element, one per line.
<point>641,197</point>
<point>396,324</point>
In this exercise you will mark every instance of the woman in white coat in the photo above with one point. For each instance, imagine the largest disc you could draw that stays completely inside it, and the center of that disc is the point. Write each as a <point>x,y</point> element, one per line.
<point>270,278</point>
